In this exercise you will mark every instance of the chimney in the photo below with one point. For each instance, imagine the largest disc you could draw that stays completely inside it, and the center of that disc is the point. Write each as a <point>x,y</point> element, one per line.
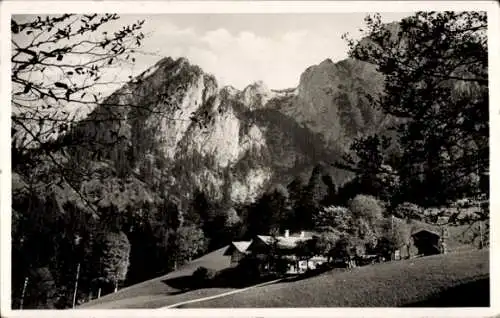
<point>302,234</point>
<point>287,233</point>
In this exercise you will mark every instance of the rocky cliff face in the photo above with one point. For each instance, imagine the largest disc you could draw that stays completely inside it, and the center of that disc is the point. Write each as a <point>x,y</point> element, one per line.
<point>332,100</point>
<point>240,141</point>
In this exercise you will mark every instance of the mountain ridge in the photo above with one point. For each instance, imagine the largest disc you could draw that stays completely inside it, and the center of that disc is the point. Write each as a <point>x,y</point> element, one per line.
<point>178,125</point>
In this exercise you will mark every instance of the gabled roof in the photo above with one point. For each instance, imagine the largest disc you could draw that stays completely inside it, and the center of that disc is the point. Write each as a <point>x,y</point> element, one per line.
<point>240,246</point>
<point>425,230</point>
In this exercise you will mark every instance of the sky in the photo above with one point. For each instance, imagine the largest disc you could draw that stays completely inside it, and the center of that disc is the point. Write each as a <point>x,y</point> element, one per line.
<point>240,49</point>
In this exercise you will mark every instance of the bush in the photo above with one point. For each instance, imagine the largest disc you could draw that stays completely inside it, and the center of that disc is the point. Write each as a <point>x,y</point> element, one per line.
<point>343,249</point>
<point>229,277</point>
<point>249,269</point>
<point>282,266</point>
<point>386,246</point>
<point>202,276</point>
<point>408,210</point>
<point>335,217</point>
<point>366,207</point>
<point>324,266</point>
<point>395,230</point>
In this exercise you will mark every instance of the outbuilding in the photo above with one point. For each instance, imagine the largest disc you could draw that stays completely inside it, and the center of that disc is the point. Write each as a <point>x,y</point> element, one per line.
<point>427,242</point>
<point>237,250</point>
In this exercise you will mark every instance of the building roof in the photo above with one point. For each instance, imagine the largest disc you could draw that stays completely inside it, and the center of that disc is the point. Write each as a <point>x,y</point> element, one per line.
<point>284,242</point>
<point>317,258</point>
<point>425,230</point>
<point>310,234</point>
<point>240,246</point>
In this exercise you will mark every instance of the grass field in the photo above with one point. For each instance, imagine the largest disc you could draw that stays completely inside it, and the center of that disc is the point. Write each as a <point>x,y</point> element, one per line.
<point>158,293</point>
<point>455,280</point>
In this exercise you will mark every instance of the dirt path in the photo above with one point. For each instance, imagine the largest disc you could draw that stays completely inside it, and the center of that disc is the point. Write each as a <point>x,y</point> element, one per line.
<point>221,295</point>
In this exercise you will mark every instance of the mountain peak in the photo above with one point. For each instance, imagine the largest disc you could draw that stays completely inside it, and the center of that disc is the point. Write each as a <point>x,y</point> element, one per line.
<point>327,61</point>
<point>170,60</point>
<point>256,94</point>
<point>229,90</point>
<point>168,64</point>
<point>257,86</point>
<point>165,60</point>
<point>182,60</point>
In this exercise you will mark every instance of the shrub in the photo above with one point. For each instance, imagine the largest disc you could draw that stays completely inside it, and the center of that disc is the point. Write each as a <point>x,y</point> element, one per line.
<point>408,210</point>
<point>281,266</point>
<point>326,241</point>
<point>386,246</point>
<point>365,232</point>
<point>202,276</point>
<point>335,217</point>
<point>249,269</point>
<point>396,230</point>
<point>343,249</point>
<point>229,277</point>
<point>366,207</point>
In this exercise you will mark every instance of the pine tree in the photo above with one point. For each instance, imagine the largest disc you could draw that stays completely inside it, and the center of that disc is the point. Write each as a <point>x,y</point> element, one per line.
<point>436,82</point>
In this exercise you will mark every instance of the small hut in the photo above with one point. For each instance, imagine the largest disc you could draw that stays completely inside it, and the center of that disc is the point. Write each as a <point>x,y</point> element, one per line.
<point>237,250</point>
<point>427,242</point>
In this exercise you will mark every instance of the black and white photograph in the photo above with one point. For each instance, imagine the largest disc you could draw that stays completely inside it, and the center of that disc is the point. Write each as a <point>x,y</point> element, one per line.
<point>199,159</point>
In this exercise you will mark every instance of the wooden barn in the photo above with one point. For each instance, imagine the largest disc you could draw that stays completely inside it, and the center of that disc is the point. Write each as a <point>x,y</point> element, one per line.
<point>423,242</point>
<point>427,242</point>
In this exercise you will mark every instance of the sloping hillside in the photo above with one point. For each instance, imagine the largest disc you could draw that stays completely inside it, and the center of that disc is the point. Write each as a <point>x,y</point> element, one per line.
<point>160,292</point>
<point>455,279</point>
<point>157,292</point>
